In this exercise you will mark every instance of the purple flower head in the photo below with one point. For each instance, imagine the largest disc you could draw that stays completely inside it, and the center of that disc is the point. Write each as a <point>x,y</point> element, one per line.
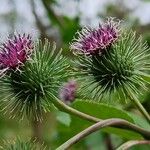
<point>15,51</point>
<point>68,91</point>
<point>96,40</point>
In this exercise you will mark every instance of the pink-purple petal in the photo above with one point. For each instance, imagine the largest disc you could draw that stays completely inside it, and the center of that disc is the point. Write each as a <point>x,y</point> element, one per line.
<point>15,51</point>
<point>68,91</point>
<point>92,41</point>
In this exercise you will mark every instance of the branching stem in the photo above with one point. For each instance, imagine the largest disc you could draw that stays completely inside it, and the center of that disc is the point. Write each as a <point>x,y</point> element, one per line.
<point>129,144</point>
<point>127,125</point>
<point>93,128</point>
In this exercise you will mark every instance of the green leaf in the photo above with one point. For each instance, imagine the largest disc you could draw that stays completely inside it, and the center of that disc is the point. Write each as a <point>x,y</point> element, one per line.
<point>95,139</point>
<point>140,121</point>
<point>63,118</point>
<point>102,111</point>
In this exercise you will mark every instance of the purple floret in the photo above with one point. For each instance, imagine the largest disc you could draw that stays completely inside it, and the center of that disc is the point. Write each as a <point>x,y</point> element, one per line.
<point>15,52</point>
<point>68,91</point>
<point>92,41</point>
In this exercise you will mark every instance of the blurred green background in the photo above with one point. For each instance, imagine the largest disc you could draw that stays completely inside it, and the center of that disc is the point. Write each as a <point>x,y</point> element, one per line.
<point>58,20</point>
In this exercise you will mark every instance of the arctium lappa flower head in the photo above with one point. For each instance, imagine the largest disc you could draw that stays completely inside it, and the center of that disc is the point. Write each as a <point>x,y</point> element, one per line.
<point>91,41</point>
<point>15,51</point>
<point>119,71</point>
<point>67,92</point>
<point>26,93</point>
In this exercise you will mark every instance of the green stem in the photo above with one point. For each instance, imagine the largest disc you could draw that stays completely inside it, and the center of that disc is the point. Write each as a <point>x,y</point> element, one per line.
<point>140,107</point>
<point>93,128</point>
<point>130,144</point>
<point>65,108</point>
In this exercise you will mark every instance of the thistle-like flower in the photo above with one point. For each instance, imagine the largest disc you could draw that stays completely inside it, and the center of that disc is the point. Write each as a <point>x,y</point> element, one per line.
<point>68,91</point>
<point>15,51</point>
<point>91,41</point>
<point>118,71</point>
<point>26,92</point>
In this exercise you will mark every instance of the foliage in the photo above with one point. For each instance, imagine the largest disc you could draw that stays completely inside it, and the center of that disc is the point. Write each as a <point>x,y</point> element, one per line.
<point>112,76</point>
<point>102,111</point>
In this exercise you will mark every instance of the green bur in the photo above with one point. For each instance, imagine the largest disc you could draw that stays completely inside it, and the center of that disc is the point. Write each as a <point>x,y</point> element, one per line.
<point>118,71</point>
<point>25,92</point>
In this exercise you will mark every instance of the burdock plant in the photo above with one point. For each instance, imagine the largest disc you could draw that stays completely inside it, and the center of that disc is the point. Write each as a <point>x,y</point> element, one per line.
<point>31,76</point>
<point>30,71</point>
<point>111,61</point>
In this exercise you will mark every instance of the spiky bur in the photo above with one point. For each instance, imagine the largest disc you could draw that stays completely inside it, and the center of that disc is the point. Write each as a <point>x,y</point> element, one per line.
<point>14,52</point>
<point>25,93</point>
<point>93,41</point>
<point>20,145</point>
<point>119,71</point>
<point>67,92</point>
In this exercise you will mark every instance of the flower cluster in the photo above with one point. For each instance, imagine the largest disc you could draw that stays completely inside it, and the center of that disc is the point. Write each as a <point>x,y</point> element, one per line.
<point>68,91</point>
<point>92,41</point>
<point>15,52</point>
